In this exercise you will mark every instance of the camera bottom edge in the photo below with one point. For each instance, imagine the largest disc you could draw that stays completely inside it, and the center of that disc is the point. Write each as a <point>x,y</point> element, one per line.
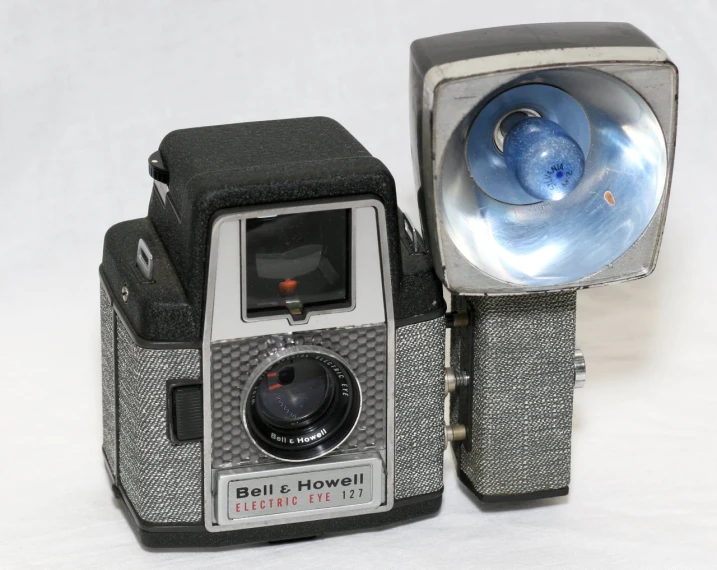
<point>158,535</point>
<point>515,498</point>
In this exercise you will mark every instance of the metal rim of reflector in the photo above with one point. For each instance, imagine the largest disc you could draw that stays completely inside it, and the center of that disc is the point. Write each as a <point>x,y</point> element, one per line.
<point>551,243</point>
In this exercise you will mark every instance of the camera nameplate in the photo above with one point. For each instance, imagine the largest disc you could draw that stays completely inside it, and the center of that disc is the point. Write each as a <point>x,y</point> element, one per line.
<point>332,487</point>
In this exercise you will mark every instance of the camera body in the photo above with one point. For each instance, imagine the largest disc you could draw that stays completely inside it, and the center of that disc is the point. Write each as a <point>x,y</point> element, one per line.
<point>272,342</point>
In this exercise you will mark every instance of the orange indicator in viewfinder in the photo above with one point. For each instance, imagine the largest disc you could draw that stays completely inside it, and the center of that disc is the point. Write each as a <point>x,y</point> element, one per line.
<point>288,287</point>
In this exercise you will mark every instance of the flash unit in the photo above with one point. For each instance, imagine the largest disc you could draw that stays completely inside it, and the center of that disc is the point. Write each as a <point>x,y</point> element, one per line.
<point>543,156</point>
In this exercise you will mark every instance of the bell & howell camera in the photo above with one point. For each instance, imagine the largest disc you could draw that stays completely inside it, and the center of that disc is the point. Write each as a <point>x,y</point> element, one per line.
<point>272,342</point>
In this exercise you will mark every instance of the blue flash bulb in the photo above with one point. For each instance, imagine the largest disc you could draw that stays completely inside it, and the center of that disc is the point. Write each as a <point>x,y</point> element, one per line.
<point>546,161</point>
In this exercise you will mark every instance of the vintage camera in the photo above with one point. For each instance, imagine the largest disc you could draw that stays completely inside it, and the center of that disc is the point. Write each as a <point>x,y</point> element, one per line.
<point>272,342</point>
<point>543,154</point>
<point>273,333</point>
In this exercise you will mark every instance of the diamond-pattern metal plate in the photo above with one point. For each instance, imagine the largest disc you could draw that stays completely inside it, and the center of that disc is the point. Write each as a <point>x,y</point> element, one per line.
<point>232,363</point>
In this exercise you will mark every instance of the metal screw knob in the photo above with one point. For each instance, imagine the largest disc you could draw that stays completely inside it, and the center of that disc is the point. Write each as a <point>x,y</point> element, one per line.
<point>580,372</point>
<point>455,432</point>
<point>455,380</point>
<point>454,320</point>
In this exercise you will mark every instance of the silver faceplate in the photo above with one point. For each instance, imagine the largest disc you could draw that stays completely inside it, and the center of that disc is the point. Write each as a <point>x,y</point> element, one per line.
<point>224,321</point>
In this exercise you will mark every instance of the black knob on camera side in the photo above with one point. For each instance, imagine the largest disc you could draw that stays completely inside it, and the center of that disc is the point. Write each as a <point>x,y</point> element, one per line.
<point>157,169</point>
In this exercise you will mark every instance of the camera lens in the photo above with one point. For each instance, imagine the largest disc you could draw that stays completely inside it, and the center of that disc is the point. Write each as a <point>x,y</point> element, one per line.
<point>294,394</point>
<point>303,405</point>
<point>286,375</point>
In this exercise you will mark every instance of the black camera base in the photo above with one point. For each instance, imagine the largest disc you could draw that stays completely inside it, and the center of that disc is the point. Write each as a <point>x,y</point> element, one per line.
<point>154,535</point>
<point>517,498</point>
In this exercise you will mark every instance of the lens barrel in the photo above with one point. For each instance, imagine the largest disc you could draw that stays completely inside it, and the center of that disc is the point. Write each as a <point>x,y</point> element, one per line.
<point>302,405</point>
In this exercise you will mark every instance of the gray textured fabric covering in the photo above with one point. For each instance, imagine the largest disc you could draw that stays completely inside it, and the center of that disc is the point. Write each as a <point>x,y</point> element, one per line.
<point>420,354</point>
<point>109,415</point>
<point>523,380</point>
<point>364,348</point>
<point>163,481</point>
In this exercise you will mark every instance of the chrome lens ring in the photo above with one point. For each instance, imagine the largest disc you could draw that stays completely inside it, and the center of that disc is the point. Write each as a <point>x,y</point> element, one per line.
<point>323,429</point>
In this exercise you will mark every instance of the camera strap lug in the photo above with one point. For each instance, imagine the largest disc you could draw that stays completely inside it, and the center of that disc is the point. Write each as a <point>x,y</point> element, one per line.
<point>145,260</point>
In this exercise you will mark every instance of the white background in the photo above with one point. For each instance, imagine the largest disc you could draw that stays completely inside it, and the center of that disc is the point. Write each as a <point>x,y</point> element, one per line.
<point>87,91</point>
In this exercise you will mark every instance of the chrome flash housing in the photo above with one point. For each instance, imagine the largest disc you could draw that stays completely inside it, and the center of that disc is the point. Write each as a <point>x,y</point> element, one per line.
<point>608,88</point>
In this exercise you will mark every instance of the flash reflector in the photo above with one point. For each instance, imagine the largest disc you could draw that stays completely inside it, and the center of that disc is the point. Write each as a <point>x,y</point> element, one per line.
<point>579,199</point>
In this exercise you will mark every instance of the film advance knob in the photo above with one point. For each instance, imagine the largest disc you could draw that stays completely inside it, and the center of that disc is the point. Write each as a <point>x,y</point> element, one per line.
<point>157,169</point>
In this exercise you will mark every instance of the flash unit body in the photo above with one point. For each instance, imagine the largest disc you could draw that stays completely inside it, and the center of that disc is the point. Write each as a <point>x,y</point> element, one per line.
<point>272,342</point>
<point>543,156</point>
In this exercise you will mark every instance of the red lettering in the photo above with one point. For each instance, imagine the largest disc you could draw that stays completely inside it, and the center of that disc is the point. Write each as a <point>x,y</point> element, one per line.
<point>295,500</point>
<point>238,507</point>
<point>320,498</point>
<point>279,503</point>
<point>271,503</point>
<point>253,505</point>
<point>262,505</point>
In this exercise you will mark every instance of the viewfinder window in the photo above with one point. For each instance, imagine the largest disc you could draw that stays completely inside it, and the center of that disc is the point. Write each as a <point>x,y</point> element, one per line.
<point>298,262</point>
